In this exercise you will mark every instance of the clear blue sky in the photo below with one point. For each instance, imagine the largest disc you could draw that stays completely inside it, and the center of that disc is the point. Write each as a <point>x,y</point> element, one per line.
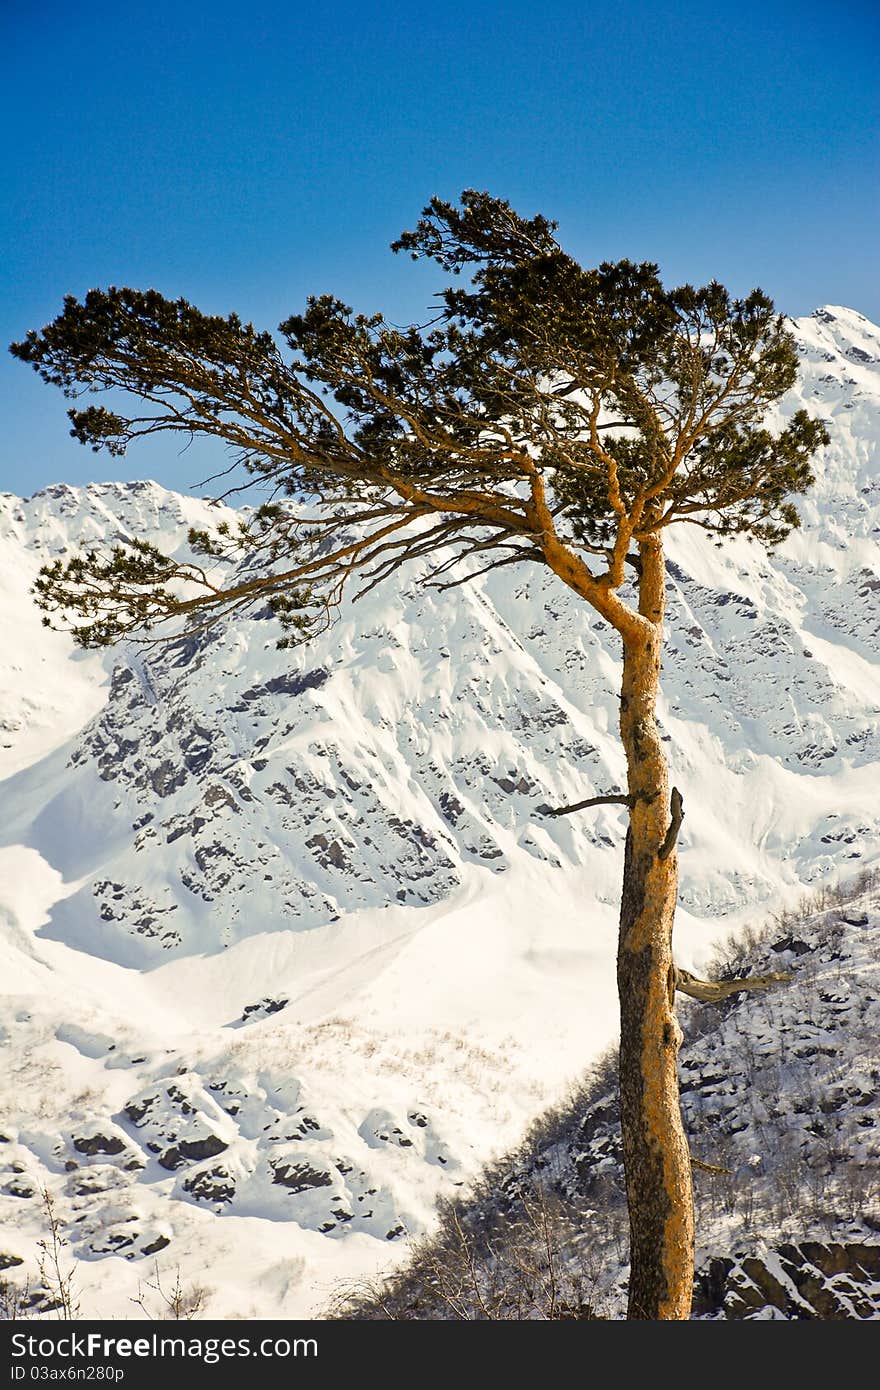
<point>245,156</point>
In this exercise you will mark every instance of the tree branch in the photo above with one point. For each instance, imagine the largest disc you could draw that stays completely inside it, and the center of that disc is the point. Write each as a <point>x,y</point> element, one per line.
<point>708,1167</point>
<point>676,810</point>
<point>592,801</point>
<point>713,991</point>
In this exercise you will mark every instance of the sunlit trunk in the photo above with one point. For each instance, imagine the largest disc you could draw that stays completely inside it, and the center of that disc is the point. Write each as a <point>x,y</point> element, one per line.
<point>655,1150</point>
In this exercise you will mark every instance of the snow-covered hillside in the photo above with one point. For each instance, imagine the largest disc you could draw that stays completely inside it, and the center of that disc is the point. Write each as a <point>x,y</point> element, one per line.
<point>779,1101</point>
<point>289,948</point>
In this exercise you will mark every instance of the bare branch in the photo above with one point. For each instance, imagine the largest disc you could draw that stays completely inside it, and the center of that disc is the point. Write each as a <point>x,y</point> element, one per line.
<point>676,810</point>
<point>713,991</point>
<point>611,800</point>
<point>709,1167</point>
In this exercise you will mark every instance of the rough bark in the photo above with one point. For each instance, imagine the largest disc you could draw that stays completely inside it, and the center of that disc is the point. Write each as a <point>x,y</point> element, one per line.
<point>655,1151</point>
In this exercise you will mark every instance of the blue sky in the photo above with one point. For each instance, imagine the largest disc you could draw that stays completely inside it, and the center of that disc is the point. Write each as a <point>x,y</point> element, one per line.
<point>245,157</point>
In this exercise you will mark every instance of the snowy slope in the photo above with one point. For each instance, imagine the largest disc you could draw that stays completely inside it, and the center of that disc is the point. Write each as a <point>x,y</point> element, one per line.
<point>48,689</point>
<point>779,1101</point>
<point>286,939</point>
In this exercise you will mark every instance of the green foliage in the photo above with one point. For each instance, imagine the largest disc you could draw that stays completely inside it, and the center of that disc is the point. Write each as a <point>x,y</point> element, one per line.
<point>97,588</point>
<point>544,402</point>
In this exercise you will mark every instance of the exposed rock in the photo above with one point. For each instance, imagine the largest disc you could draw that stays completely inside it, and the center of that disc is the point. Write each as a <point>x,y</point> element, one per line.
<point>19,1187</point>
<point>180,1122</point>
<point>214,1184</point>
<point>191,1151</point>
<point>810,1281</point>
<point>263,1008</point>
<point>299,1177</point>
<point>98,1144</point>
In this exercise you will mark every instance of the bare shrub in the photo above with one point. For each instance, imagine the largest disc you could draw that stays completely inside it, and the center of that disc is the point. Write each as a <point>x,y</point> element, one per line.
<point>16,1300</point>
<point>174,1303</point>
<point>55,1280</point>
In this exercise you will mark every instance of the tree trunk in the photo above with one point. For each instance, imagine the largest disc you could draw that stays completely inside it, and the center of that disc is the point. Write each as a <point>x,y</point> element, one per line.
<point>655,1150</point>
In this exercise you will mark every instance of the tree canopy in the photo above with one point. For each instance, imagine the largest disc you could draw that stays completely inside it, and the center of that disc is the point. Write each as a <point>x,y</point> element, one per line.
<point>546,412</point>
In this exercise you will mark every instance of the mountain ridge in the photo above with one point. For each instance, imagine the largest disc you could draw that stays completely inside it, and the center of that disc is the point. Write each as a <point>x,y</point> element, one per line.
<point>318,884</point>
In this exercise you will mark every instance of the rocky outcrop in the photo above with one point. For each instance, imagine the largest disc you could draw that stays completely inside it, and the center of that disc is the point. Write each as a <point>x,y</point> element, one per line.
<point>810,1281</point>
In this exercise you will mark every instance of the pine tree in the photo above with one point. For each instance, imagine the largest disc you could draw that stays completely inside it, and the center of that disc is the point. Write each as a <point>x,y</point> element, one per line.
<point>548,414</point>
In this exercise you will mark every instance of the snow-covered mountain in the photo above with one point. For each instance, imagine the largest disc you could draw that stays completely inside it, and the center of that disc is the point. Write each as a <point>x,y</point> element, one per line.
<point>289,948</point>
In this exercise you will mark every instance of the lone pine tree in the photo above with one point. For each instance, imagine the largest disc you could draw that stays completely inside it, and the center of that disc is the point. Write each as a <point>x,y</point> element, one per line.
<point>548,414</point>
